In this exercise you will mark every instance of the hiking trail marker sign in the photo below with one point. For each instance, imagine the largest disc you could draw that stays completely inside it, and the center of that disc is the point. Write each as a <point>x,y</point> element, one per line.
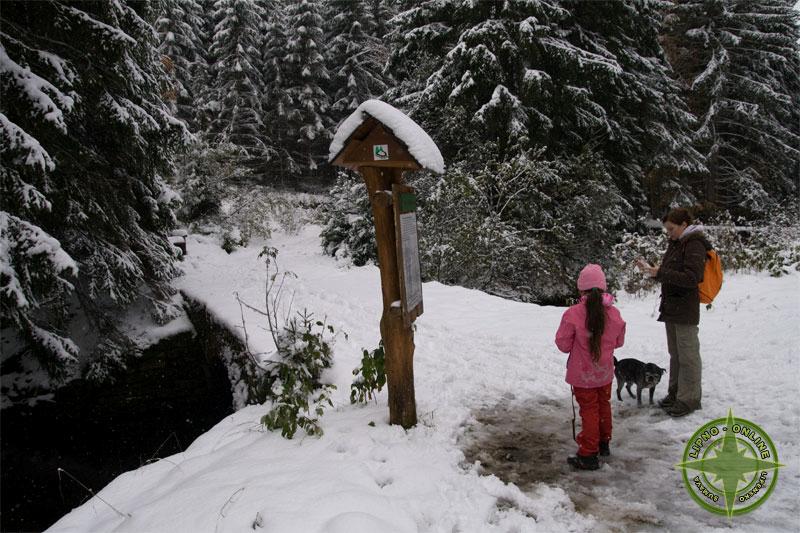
<point>369,145</point>
<point>380,152</point>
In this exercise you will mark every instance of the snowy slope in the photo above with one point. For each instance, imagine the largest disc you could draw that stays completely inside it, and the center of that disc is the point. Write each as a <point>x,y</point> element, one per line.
<point>489,386</point>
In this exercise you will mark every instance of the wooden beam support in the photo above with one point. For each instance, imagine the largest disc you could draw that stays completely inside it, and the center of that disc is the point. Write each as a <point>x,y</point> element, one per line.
<point>398,339</point>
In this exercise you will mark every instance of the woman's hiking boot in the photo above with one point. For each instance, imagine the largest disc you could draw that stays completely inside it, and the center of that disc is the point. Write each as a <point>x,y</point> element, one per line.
<point>605,451</point>
<point>667,401</point>
<point>584,462</point>
<point>679,409</point>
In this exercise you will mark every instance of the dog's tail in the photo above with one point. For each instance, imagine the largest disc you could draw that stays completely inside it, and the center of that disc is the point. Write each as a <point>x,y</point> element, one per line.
<point>615,361</point>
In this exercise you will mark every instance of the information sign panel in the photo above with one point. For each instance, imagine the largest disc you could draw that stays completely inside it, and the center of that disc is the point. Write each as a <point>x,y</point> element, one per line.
<point>405,205</point>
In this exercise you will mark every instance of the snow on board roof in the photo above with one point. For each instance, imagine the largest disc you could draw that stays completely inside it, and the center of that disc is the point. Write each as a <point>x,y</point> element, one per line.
<point>419,143</point>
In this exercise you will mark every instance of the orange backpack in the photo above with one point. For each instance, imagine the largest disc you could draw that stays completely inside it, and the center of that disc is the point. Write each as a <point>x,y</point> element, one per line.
<point>712,278</point>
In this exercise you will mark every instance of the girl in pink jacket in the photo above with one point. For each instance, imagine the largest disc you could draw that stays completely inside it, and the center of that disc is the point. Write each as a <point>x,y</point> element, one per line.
<point>590,331</point>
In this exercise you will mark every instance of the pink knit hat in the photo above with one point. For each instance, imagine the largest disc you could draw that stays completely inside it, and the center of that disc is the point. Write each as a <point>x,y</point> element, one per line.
<point>590,277</point>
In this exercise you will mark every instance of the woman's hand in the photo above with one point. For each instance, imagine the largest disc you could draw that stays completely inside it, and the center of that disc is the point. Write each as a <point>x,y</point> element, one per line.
<point>646,267</point>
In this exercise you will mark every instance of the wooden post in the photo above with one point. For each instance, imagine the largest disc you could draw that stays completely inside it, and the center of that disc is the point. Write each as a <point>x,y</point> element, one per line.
<point>372,148</point>
<point>398,338</point>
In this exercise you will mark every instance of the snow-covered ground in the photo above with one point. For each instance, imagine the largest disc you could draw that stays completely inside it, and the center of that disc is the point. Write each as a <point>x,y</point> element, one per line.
<point>488,453</point>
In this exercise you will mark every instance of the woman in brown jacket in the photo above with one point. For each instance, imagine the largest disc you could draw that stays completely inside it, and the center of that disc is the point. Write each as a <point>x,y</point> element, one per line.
<point>680,271</point>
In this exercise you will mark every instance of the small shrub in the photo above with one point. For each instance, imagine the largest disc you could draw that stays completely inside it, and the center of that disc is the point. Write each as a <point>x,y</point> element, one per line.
<point>291,382</point>
<point>370,376</point>
<point>297,396</point>
<point>232,239</point>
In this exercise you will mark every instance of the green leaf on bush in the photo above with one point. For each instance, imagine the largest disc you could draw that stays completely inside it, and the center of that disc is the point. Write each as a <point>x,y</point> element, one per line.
<point>370,376</point>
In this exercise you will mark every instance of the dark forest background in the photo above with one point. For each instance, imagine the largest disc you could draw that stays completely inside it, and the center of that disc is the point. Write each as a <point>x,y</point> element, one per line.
<point>564,124</point>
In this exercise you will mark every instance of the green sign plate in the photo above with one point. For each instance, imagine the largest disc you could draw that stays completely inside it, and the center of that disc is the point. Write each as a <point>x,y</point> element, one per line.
<point>408,202</point>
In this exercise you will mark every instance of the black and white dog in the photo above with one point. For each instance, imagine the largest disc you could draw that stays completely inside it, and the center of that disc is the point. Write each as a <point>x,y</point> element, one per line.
<point>634,372</point>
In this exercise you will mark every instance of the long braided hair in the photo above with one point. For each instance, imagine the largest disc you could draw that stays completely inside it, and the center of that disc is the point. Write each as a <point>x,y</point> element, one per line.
<point>595,321</point>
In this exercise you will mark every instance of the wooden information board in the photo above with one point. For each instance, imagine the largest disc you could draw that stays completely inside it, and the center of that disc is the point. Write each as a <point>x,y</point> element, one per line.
<point>404,201</point>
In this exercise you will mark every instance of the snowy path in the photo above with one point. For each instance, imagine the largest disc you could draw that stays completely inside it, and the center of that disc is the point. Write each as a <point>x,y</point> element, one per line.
<point>489,385</point>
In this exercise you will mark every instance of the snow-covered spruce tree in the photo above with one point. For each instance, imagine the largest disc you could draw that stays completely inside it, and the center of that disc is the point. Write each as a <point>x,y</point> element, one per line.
<point>181,36</point>
<point>277,102</point>
<point>522,227</point>
<point>380,13</point>
<point>203,78</point>
<point>308,121</point>
<point>652,144</point>
<point>457,56</point>
<point>740,63</point>
<point>354,56</point>
<point>237,78</point>
<point>84,216</point>
<point>569,76</point>
<point>349,231</point>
